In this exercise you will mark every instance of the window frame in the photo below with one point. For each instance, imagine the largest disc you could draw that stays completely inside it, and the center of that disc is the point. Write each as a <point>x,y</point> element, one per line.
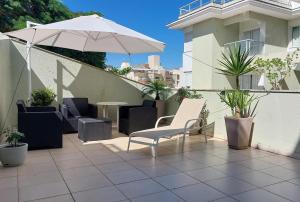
<point>293,39</point>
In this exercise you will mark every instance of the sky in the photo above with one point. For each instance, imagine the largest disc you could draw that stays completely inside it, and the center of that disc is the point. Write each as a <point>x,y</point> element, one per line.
<point>149,17</point>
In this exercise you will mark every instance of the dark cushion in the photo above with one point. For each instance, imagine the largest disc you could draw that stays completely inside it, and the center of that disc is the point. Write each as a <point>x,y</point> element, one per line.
<point>149,103</point>
<point>21,106</point>
<point>77,106</point>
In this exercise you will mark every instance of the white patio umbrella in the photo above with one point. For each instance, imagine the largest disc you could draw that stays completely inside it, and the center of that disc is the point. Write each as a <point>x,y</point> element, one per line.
<point>88,33</point>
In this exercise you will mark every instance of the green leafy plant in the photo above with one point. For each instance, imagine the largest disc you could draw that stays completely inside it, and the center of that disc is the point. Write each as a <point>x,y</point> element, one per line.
<point>42,97</point>
<point>13,137</point>
<point>276,70</point>
<point>156,87</point>
<point>239,102</point>
<point>15,13</point>
<point>236,64</point>
<point>204,115</point>
<point>120,72</point>
<point>186,93</point>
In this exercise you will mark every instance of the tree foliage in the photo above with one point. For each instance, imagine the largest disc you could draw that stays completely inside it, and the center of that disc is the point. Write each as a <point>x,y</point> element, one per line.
<point>236,64</point>
<point>119,71</point>
<point>157,87</point>
<point>183,93</point>
<point>276,70</point>
<point>15,13</point>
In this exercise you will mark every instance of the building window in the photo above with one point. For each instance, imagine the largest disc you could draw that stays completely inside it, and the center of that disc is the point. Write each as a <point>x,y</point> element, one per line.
<point>252,35</point>
<point>250,82</point>
<point>296,37</point>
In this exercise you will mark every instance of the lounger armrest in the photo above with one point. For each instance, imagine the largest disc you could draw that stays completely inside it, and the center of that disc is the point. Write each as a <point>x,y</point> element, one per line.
<point>189,121</point>
<point>161,118</point>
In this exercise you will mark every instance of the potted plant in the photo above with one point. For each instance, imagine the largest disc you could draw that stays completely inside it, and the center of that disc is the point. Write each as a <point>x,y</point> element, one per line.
<point>14,152</point>
<point>238,126</point>
<point>42,97</point>
<point>159,89</point>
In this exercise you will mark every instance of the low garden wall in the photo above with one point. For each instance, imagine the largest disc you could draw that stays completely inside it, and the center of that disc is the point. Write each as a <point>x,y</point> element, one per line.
<point>277,121</point>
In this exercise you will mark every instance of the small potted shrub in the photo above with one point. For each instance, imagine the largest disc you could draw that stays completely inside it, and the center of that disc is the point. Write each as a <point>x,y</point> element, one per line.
<point>14,152</point>
<point>42,97</point>
<point>239,124</point>
<point>159,89</point>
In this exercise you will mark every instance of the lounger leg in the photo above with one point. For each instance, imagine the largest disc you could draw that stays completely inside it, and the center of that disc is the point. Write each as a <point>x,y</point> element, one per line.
<point>183,141</point>
<point>128,144</point>
<point>154,148</point>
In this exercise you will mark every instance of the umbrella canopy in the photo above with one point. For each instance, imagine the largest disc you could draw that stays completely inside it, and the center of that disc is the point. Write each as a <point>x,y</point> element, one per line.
<point>89,33</point>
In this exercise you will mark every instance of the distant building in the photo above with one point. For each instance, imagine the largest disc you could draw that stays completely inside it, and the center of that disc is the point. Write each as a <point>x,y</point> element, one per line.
<point>153,70</point>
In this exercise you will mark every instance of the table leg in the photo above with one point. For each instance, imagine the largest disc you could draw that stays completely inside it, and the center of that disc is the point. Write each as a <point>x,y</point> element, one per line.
<point>104,111</point>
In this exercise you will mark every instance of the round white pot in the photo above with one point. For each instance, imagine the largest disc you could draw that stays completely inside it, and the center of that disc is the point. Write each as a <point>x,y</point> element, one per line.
<point>13,156</point>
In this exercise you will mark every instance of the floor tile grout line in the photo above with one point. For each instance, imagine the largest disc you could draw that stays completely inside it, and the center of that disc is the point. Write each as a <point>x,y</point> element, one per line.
<point>105,177</point>
<point>228,195</point>
<point>264,188</point>
<point>18,187</point>
<point>60,172</point>
<point>184,172</point>
<point>48,197</point>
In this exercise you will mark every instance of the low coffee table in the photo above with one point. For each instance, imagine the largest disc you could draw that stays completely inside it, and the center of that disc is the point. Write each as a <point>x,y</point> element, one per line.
<point>90,129</point>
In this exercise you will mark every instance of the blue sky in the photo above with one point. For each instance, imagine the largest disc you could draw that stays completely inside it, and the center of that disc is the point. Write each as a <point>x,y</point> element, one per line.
<point>149,17</point>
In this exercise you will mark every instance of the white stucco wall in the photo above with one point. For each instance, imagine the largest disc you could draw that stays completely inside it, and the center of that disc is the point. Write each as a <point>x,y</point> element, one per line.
<point>67,77</point>
<point>277,127</point>
<point>210,36</point>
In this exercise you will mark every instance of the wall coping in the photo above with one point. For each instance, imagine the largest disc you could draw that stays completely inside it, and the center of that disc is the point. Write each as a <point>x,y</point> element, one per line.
<point>251,91</point>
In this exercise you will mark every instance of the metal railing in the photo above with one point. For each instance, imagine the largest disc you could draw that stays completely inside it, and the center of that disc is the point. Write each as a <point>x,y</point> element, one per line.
<point>201,3</point>
<point>254,47</point>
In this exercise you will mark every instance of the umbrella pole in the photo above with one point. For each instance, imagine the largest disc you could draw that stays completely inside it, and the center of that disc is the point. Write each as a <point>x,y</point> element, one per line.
<point>28,61</point>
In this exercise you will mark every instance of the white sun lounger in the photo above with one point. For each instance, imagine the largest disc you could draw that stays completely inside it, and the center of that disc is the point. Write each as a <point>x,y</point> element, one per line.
<point>183,122</point>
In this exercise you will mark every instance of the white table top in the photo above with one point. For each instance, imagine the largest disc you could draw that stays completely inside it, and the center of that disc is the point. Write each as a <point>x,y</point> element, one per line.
<point>112,103</point>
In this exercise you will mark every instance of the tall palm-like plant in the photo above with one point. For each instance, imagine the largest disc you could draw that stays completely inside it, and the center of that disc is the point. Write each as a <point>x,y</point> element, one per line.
<point>236,63</point>
<point>156,87</point>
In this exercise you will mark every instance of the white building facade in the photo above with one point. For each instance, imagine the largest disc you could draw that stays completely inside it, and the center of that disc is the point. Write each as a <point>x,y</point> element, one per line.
<point>269,28</point>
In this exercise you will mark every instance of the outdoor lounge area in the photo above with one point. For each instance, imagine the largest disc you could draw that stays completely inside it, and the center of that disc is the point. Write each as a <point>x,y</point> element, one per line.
<point>104,171</point>
<point>83,119</point>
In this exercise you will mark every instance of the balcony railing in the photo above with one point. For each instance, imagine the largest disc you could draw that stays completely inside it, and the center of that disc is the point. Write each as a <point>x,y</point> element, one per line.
<point>201,3</point>
<point>254,47</point>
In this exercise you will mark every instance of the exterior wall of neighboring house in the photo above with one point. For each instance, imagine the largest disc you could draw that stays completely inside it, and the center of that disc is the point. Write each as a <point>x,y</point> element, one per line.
<point>206,39</point>
<point>210,36</point>
<point>67,77</point>
<point>187,59</point>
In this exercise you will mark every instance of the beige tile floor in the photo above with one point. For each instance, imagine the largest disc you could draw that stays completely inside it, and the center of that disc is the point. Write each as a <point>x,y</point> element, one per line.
<point>104,171</point>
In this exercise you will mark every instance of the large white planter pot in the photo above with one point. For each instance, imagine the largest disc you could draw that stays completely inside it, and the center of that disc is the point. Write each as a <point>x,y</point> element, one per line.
<point>13,156</point>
